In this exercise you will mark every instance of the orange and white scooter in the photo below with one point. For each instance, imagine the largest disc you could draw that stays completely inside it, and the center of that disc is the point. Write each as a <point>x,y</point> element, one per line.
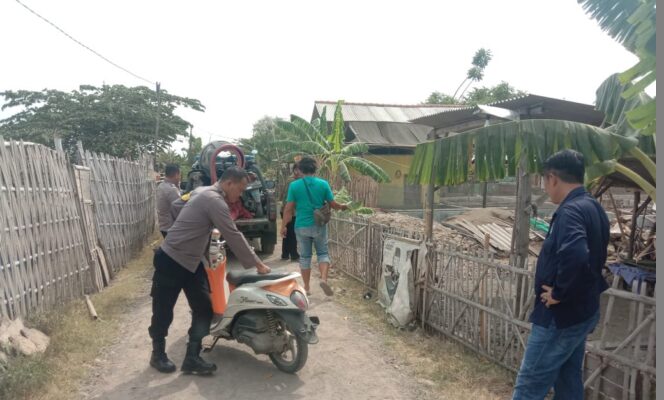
<point>266,312</point>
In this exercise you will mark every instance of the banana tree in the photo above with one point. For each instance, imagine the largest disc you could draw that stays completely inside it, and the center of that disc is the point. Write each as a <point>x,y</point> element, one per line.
<point>622,98</point>
<point>492,153</point>
<point>617,110</point>
<point>334,156</point>
<point>633,24</point>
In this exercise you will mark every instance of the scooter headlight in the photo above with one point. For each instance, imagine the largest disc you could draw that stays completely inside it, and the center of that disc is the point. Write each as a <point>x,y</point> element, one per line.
<point>300,300</point>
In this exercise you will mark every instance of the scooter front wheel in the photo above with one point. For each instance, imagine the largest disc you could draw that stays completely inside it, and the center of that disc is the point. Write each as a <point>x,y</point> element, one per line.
<point>293,358</point>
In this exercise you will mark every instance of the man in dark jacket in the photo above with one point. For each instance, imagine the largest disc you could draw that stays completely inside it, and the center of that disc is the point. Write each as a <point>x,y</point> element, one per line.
<point>568,283</point>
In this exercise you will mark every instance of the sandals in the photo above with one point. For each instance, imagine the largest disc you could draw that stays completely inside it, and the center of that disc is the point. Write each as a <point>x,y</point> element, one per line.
<point>326,288</point>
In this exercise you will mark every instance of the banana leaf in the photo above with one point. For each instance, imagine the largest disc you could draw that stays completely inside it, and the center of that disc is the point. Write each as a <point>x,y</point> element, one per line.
<point>632,117</point>
<point>366,167</point>
<point>495,150</point>
<point>337,138</point>
<point>613,16</point>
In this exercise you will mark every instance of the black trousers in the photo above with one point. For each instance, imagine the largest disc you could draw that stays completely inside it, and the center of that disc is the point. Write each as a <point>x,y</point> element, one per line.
<point>289,243</point>
<point>168,280</point>
<point>163,234</point>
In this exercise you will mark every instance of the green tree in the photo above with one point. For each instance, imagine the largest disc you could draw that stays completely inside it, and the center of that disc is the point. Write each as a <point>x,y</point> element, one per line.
<point>486,95</point>
<point>195,145</point>
<point>170,156</point>
<point>264,135</point>
<point>113,119</point>
<point>334,156</point>
<point>440,98</point>
<point>480,95</point>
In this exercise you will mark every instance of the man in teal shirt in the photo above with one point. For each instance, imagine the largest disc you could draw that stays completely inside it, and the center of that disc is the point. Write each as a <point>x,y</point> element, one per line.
<point>305,196</point>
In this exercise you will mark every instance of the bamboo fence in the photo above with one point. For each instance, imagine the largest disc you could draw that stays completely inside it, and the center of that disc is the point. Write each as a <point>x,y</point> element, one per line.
<point>50,252</point>
<point>124,205</point>
<point>472,298</point>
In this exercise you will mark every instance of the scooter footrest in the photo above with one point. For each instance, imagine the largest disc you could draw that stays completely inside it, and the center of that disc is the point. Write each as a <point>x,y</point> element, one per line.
<point>209,342</point>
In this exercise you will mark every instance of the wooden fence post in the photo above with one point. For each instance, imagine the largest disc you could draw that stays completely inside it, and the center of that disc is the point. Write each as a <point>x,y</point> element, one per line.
<point>521,231</point>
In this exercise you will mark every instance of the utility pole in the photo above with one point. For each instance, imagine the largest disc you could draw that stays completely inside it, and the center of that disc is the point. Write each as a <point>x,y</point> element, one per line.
<point>156,129</point>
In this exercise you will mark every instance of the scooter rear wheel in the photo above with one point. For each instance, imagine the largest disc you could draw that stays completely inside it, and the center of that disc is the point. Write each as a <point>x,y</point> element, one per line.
<point>294,357</point>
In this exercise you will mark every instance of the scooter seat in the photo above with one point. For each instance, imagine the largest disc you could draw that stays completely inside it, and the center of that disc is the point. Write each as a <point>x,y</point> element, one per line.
<point>240,278</point>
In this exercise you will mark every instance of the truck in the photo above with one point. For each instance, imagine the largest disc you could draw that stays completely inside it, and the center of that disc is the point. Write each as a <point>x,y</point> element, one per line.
<point>258,216</point>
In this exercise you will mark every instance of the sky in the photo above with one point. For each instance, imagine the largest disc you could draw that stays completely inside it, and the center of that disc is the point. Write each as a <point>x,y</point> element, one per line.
<point>247,59</point>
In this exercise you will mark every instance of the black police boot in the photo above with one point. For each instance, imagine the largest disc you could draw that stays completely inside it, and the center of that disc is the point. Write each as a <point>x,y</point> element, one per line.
<point>193,363</point>
<point>159,359</point>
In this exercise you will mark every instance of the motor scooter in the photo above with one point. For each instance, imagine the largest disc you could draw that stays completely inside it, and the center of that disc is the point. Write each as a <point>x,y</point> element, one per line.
<point>266,312</point>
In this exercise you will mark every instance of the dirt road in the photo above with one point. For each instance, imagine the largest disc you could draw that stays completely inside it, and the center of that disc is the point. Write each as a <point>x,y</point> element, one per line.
<point>349,362</point>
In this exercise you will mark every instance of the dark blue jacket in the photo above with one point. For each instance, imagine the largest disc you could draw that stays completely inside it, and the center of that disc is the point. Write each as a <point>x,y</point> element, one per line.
<point>571,261</point>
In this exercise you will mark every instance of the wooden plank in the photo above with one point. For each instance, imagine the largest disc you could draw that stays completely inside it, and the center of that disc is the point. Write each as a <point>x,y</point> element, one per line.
<point>99,252</point>
<point>79,174</point>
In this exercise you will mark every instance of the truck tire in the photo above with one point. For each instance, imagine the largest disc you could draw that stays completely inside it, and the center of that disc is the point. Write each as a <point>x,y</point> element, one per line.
<point>267,248</point>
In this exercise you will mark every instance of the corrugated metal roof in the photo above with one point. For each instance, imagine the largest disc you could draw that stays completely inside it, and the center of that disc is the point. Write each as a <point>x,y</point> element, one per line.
<point>548,108</point>
<point>393,134</point>
<point>366,112</point>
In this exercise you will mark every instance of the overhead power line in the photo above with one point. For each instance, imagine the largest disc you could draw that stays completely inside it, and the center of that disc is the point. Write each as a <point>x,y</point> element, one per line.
<point>84,46</point>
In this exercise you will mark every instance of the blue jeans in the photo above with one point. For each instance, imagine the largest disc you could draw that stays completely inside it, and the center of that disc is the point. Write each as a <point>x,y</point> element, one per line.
<point>309,237</point>
<point>554,358</point>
